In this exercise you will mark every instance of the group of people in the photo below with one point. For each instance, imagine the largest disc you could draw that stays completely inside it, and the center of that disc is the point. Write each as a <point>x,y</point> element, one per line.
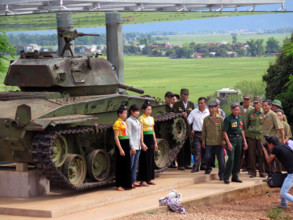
<point>211,134</point>
<point>240,135</point>
<point>135,141</point>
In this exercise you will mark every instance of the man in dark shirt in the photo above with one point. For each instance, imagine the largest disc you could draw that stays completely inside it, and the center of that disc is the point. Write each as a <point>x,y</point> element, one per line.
<point>285,156</point>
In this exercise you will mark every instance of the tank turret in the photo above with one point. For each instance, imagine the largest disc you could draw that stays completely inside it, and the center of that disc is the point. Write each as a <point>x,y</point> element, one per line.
<point>76,75</point>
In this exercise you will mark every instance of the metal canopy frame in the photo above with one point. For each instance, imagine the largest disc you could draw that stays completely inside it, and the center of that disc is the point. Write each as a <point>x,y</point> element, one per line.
<point>20,7</point>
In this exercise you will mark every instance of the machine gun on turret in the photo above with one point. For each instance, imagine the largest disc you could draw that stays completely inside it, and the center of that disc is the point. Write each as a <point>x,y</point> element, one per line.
<point>70,36</point>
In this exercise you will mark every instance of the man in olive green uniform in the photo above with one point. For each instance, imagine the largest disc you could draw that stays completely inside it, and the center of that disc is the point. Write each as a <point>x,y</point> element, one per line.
<point>277,104</point>
<point>168,101</point>
<point>233,132</point>
<point>253,137</point>
<point>212,139</point>
<point>185,107</point>
<point>272,126</point>
<point>243,112</point>
<point>287,129</point>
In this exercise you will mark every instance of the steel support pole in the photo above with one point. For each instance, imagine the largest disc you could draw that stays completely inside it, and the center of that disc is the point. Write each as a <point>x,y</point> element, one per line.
<point>64,23</point>
<point>115,42</point>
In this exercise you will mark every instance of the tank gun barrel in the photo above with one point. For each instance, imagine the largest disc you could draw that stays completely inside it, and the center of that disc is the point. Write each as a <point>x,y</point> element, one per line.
<point>131,88</point>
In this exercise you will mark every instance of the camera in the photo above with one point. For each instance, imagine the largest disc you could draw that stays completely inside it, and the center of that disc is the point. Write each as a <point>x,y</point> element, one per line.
<point>266,136</point>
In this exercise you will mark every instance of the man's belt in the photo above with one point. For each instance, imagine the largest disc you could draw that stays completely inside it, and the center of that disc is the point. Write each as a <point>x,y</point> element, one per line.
<point>234,135</point>
<point>199,132</point>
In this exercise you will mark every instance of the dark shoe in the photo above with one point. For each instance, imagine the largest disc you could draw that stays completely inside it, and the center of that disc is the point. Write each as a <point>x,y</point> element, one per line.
<point>262,175</point>
<point>181,168</point>
<point>226,181</point>
<point>172,166</point>
<point>213,165</point>
<point>252,175</point>
<point>244,170</point>
<point>237,180</point>
<point>203,168</point>
<point>208,171</point>
<point>188,167</point>
<point>221,178</point>
<point>194,170</point>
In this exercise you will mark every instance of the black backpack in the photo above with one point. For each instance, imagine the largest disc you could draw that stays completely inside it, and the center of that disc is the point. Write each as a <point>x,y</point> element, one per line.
<point>277,180</point>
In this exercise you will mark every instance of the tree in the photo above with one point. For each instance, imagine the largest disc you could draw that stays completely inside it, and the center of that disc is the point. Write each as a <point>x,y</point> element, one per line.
<point>272,45</point>
<point>255,88</point>
<point>279,78</point>
<point>234,38</point>
<point>6,48</point>
<point>255,47</point>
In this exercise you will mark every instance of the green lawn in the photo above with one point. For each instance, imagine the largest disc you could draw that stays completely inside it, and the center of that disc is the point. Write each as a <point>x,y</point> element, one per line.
<point>201,76</point>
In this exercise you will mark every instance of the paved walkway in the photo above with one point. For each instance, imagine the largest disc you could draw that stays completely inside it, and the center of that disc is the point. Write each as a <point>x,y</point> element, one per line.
<point>107,203</point>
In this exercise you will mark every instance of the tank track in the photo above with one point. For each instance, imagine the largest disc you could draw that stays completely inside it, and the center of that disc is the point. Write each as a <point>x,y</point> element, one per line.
<point>42,153</point>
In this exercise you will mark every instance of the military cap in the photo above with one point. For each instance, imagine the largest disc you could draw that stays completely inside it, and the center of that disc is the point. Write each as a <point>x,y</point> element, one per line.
<point>169,94</point>
<point>256,99</point>
<point>235,105</point>
<point>184,91</point>
<point>218,101</point>
<point>247,96</point>
<point>279,110</point>
<point>213,103</point>
<point>277,103</point>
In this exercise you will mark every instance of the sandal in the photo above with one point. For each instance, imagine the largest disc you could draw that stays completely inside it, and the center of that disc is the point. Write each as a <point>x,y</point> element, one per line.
<point>144,184</point>
<point>151,183</point>
<point>120,188</point>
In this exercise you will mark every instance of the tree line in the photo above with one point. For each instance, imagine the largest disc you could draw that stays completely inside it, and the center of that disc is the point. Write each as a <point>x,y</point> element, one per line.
<point>147,45</point>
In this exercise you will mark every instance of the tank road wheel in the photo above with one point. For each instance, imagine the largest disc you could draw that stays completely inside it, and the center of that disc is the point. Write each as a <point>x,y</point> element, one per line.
<point>98,165</point>
<point>75,169</point>
<point>162,154</point>
<point>59,151</point>
<point>179,129</point>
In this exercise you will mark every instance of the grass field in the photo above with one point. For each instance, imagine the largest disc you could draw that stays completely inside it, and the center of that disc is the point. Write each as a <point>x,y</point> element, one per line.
<point>201,76</point>
<point>97,19</point>
<point>218,38</point>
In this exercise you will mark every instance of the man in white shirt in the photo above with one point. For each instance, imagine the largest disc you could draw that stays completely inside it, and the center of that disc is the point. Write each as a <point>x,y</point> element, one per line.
<point>195,118</point>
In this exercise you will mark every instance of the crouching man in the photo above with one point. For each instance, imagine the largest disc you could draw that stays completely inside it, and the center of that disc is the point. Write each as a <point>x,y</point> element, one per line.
<point>285,155</point>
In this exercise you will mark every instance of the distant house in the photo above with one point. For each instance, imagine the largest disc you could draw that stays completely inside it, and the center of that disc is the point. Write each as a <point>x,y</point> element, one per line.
<point>231,53</point>
<point>222,93</point>
<point>197,55</point>
<point>168,45</point>
<point>213,53</point>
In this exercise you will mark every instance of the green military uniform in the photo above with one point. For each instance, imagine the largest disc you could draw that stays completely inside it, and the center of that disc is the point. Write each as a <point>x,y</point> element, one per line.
<point>168,108</point>
<point>244,159</point>
<point>271,125</point>
<point>244,116</point>
<point>184,156</point>
<point>287,131</point>
<point>178,107</point>
<point>253,137</point>
<point>212,130</point>
<point>234,127</point>
<point>212,137</point>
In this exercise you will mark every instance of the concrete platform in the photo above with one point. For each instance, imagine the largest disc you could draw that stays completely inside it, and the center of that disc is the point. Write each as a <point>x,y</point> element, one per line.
<point>22,182</point>
<point>107,203</point>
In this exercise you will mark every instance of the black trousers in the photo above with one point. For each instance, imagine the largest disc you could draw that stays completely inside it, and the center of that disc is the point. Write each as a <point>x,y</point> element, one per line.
<point>146,169</point>
<point>184,155</point>
<point>197,150</point>
<point>123,166</point>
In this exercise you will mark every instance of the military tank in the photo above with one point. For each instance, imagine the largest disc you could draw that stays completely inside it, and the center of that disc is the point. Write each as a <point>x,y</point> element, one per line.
<point>61,119</point>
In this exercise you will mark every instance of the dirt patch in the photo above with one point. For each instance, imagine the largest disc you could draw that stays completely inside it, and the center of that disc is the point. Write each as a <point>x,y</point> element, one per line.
<point>255,207</point>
